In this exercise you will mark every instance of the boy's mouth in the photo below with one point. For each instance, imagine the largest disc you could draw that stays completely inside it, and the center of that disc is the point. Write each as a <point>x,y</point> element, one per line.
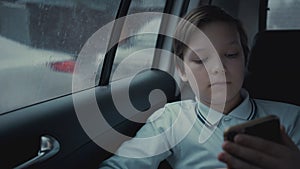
<point>219,83</point>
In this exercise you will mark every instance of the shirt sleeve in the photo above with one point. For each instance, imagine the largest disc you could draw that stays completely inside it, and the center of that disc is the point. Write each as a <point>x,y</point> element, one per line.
<point>146,150</point>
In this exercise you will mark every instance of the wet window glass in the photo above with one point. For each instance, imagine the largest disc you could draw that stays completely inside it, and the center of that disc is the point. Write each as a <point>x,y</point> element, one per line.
<point>138,38</point>
<point>283,14</point>
<point>39,43</point>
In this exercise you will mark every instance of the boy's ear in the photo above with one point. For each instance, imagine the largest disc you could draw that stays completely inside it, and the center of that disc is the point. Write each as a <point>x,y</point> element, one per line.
<point>182,74</point>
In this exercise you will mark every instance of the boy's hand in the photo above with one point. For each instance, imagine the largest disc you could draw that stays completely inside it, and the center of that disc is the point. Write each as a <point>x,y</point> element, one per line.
<point>249,152</point>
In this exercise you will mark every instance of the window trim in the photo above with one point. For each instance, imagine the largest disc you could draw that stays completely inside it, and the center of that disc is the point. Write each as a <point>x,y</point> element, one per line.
<point>263,12</point>
<point>161,38</point>
<point>116,33</point>
<point>163,41</point>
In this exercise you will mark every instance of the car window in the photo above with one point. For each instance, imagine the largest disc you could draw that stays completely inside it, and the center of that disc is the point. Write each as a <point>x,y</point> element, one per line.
<point>39,44</point>
<point>136,52</point>
<point>283,14</point>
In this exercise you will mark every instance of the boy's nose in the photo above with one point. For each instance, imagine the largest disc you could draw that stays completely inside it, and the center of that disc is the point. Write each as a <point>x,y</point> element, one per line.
<point>218,66</point>
<point>219,70</point>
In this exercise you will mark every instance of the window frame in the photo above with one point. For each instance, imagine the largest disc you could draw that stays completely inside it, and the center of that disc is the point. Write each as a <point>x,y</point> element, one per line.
<point>116,33</point>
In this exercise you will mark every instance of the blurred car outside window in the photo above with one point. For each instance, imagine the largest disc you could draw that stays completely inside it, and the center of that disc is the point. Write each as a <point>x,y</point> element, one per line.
<point>39,44</point>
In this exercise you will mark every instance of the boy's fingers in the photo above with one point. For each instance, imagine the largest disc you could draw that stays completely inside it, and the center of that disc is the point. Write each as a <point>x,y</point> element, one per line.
<point>259,144</point>
<point>250,155</point>
<point>234,163</point>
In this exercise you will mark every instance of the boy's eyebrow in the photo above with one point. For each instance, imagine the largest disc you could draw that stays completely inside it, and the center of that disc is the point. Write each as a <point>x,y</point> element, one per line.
<point>197,50</point>
<point>200,49</point>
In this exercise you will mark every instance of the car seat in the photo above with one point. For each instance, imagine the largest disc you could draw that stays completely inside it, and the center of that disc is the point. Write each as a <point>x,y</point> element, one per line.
<point>274,68</point>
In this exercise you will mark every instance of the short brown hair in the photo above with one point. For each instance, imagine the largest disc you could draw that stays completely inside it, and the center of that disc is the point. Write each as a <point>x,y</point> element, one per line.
<point>199,17</point>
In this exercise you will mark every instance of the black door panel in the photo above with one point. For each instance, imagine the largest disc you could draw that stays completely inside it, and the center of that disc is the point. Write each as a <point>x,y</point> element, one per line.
<point>21,130</point>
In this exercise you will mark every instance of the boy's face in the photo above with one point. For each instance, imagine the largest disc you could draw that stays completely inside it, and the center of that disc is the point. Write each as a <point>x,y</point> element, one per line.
<point>217,66</point>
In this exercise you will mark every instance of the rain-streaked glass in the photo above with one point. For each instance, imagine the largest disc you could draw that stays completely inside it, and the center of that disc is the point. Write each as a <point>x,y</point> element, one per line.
<point>136,52</point>
<point>283,14</point>
<point>39,43</point>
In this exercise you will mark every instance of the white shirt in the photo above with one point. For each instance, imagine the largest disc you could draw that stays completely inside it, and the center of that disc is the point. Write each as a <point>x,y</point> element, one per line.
<point>178,134</point>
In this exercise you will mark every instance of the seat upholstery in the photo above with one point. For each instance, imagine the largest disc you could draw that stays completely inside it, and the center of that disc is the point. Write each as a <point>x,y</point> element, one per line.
<point>274,68</point>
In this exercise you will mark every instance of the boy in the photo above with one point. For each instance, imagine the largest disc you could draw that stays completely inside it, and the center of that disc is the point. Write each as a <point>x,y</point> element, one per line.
<point>189,134</point>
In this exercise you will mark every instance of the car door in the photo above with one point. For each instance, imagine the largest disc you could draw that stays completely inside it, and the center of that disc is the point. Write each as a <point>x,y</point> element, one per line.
<point>63,92</point>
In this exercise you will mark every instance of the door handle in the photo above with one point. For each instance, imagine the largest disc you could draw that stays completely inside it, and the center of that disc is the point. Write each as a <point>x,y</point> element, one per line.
<point>49,147</point>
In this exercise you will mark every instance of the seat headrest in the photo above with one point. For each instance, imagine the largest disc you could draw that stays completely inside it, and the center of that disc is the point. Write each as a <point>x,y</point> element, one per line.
<point>274,67</point>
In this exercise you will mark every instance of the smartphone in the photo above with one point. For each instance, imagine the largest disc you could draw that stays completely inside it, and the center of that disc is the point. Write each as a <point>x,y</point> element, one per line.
<point>266,127</point>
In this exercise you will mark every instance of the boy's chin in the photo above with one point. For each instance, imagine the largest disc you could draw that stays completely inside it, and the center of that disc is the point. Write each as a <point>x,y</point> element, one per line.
<point>218,99</point>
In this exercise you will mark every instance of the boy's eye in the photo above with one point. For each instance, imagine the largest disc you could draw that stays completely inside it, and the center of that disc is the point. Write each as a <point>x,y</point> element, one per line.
<point>232,55</point>
<point>198,61</point>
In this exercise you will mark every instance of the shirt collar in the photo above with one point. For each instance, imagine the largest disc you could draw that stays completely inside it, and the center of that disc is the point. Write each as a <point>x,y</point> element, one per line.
<point>245,110</point>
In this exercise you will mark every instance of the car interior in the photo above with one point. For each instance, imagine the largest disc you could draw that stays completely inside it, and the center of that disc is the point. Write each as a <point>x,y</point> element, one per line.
<point>50,133</point>
<point>279,75</point>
